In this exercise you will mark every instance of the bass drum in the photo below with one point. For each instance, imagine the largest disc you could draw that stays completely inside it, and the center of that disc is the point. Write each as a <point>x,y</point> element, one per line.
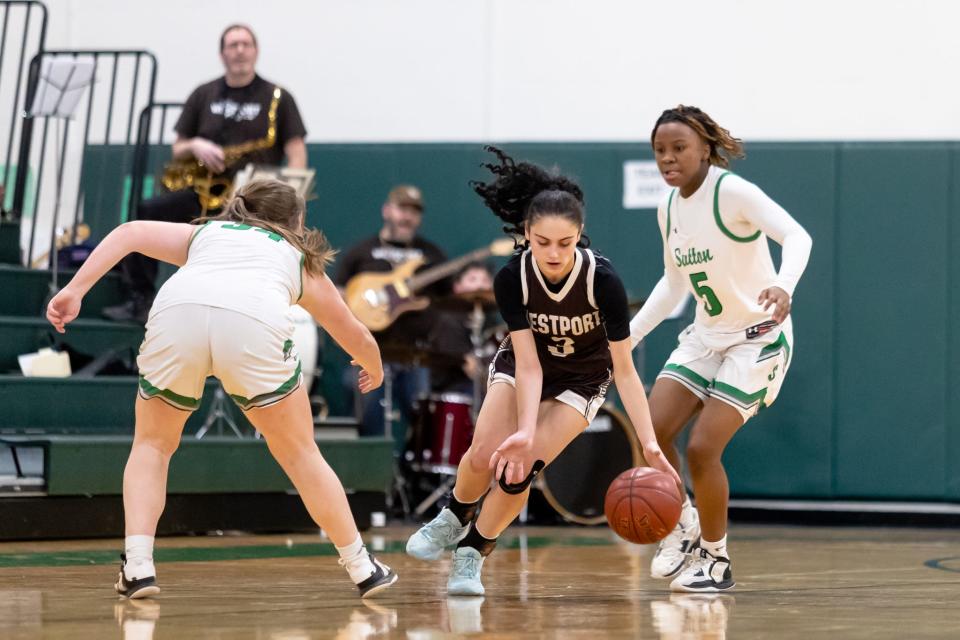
<point>575,484</point>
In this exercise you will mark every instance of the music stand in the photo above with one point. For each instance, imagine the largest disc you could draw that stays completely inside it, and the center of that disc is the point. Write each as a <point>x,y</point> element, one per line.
<point>218,414</point>
<point>59,89</point>
<point>303,180</point>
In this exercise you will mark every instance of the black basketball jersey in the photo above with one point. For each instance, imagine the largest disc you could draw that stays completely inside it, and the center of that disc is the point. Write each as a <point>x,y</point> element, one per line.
<point>567,326</point>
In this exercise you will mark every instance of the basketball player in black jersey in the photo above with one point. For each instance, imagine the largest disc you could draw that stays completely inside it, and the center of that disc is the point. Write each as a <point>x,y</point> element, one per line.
<point>566,309</point>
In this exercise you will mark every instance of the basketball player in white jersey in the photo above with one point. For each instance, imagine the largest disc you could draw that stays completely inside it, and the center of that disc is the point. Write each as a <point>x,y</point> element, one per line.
<point>226,313</point>
<point>566,309</point>
<point>732,360</point>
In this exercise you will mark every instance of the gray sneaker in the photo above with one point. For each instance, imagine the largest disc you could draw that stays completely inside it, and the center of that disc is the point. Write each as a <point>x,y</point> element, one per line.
<point>465,573</point>
<point>432,538</point>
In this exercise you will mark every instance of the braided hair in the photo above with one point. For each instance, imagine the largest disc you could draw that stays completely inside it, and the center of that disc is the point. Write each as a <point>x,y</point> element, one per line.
<point>723,146</point>
<point>522,192</point>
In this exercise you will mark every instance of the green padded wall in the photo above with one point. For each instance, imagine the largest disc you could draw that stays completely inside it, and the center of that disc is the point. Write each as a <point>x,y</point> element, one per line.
<point>951,355</point>
<point>891,321</point>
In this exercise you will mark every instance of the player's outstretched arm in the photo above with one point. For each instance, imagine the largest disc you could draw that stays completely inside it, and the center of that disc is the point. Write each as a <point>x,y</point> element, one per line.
<point>323,301</point>
<point>166,241</point>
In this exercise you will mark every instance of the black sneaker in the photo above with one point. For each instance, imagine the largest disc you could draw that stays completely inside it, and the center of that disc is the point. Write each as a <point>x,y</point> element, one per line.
<point>134,310</point>
<point>382,578</point>
<point>137,587</point>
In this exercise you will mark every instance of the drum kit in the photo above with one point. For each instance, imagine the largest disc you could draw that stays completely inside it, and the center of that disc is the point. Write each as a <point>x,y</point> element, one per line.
<point>443,426</point>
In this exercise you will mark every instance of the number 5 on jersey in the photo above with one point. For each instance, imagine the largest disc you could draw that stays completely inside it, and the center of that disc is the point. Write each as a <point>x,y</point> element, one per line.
<point>711,304</point>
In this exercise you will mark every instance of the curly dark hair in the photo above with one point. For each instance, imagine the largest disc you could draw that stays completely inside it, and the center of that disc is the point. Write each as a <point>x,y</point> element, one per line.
<point>723,146</point>
<point>522,192</point>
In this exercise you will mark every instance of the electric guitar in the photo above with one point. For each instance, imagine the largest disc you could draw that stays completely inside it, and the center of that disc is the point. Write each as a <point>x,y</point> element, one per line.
<point>377,299</point>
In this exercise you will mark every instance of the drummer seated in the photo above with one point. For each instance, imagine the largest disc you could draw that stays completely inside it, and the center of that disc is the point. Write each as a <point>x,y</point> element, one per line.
<point>455,366</point>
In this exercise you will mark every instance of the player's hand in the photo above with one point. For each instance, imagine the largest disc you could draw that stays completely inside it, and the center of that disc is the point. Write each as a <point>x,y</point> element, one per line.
<point>778,297</point>
<point>655,458</point>
<point>367,381</point>
<point>64,308</point>
<point>209,154</point>
<point>508,459</point>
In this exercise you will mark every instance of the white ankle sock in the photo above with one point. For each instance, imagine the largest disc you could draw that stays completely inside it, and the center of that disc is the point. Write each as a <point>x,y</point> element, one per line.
<point>688,512</point>
<point>356,560</point>
<point>139,552</point>
<point>717,549</point>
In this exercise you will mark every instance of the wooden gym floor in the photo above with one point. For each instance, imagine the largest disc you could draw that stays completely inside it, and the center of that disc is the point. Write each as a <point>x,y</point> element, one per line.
<point>556,582</point>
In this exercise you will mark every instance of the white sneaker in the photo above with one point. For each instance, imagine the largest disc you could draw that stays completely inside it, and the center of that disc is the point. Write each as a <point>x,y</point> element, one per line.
<point>136,580</point>
<point>431,539</point>
<point>381,578</point>
<point>704,574</point>
<point>465,573</point>
<point>674,550</point>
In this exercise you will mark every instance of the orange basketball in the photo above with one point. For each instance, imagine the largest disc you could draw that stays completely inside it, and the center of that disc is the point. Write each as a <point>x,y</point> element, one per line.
<point>643,505</point>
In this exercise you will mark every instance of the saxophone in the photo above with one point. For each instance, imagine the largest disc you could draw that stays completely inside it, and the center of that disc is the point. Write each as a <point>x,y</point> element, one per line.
<point>214,190</point>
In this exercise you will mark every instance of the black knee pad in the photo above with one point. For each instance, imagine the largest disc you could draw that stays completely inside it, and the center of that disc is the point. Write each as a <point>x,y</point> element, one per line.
<point>520,487</point>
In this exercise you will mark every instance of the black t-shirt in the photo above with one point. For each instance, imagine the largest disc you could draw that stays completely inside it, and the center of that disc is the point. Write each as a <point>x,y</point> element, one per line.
<point>234,115</point>
<point>377,255</point>
<point>572,321</point>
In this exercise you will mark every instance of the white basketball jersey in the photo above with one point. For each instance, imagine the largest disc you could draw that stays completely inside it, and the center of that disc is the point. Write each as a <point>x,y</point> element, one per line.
<point>240,267</point>
<point>725,261</point>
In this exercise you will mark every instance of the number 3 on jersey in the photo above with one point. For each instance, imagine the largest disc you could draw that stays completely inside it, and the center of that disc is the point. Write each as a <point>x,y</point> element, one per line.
<point>711,304</point>
<point>564,347</point>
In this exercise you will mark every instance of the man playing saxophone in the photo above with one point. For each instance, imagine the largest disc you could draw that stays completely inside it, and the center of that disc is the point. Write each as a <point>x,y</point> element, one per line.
<point>225,124</point>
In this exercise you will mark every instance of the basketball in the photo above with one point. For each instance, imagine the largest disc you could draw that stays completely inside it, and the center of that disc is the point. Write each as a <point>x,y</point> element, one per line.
<point>643,505</point>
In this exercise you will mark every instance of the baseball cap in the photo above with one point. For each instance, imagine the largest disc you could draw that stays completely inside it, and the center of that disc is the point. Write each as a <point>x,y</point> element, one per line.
<point>406,195</point>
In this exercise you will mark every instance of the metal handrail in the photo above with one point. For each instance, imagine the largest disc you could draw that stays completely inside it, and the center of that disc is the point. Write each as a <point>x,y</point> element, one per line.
<point>16,110</point>
<point>99,56</point>
<point>141,152</point>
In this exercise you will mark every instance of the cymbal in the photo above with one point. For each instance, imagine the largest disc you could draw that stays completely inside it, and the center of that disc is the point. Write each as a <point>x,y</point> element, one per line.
<point>468,301</point>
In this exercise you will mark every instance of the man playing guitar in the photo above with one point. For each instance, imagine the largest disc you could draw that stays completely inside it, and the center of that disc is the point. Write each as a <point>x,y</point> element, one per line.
<point>396,243</point>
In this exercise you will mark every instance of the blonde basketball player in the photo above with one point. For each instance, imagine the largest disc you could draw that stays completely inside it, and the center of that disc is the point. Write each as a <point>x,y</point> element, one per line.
<point>732,360</point>
<point>226,313</point>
